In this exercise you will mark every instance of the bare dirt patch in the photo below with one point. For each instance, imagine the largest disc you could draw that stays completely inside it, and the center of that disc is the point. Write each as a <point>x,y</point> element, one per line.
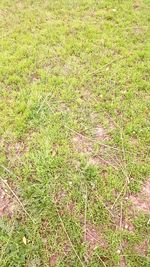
<point>134,141</point>
<point>15,151</point>
<point>123,223</point>
<point>71,207</point>
<point>82,144</point>
<point>60,196</point>
<point>53,259</point>
<point>7,203</point>
<point>56,256</point>
<point>142,249</point>
<point>122,262</point>
<point>95,161</point>
<point>71,66</point>
<point>100,133</point>
<point>137,5</point>
<point>142,201</point>
<point>35,78</point>
<point>94,237</point>
<point>85,146</point>
<point>127,225</point>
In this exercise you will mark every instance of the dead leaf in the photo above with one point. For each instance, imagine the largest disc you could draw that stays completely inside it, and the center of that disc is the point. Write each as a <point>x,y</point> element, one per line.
<point>24,240</point>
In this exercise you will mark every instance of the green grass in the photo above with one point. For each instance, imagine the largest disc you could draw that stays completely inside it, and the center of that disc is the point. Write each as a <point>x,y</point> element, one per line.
<point>67,66</point>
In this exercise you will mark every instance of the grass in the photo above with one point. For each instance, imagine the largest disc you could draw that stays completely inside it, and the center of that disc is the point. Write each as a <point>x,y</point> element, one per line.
<point>65,68</point>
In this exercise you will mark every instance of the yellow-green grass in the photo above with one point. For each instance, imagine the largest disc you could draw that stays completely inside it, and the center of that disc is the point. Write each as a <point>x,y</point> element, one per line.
<point>68,68</point>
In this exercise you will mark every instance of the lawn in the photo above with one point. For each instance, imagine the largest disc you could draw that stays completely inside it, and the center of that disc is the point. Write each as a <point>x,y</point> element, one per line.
<point>74,133</point>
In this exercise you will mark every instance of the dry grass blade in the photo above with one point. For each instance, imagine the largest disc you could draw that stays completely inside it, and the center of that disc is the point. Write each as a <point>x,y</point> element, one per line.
<point>7,170</point>
<point>105,65</point>
<point>101,260</point>
<point>91,139</point>
<point>119,195</point>
<point>44,101</point>
<point>121,166</point>
<point>85,214</point>
<point>64,228</point>
<point>121,217</point>
<point>108,162</point>
<point>124,158</point>
<point>100,199</point>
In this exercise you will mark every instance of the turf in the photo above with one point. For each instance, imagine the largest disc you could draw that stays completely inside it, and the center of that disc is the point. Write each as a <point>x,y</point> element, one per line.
<point>68,68</point>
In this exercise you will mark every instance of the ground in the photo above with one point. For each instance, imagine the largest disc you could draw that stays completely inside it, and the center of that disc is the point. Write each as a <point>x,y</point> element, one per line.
<point>74,133</point>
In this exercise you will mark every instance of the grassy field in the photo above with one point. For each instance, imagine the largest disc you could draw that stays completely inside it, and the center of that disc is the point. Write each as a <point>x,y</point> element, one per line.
<point>74,133</point>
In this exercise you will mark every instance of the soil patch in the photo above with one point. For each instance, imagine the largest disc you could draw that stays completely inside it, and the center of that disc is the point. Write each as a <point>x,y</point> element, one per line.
<point>7,203</point>
<point>141,201</point>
